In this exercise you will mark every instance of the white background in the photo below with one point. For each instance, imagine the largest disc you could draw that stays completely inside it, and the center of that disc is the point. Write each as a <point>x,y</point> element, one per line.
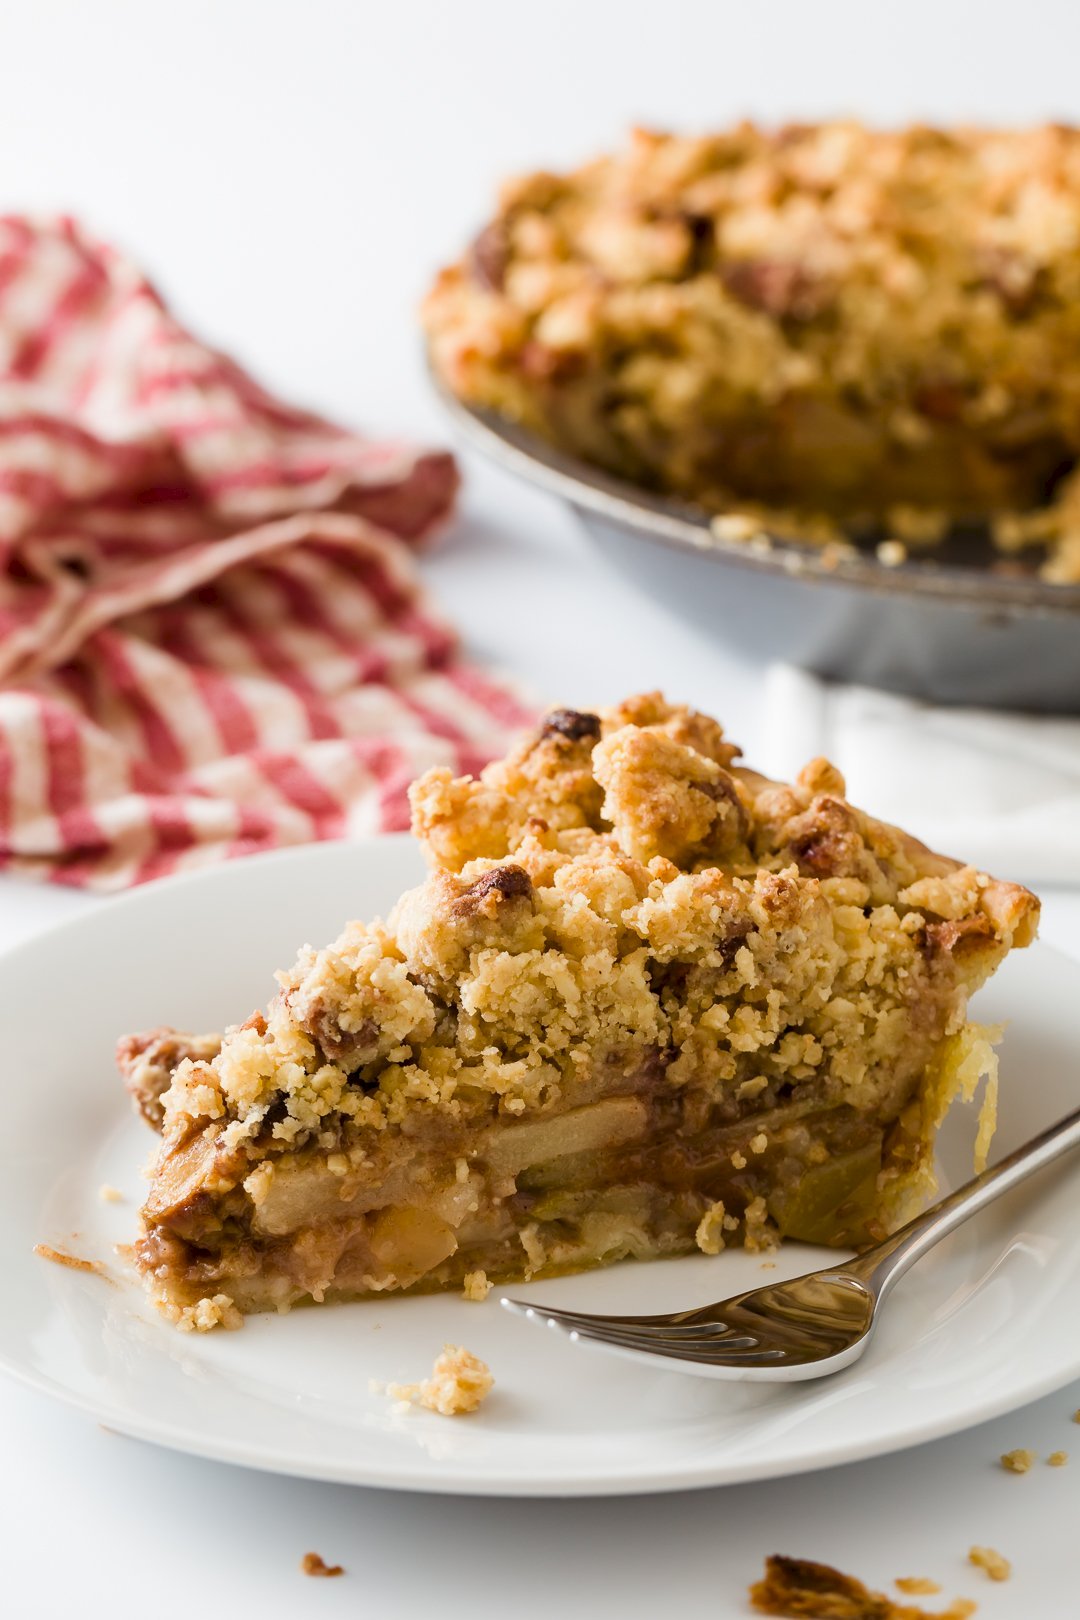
<point>291,174</point>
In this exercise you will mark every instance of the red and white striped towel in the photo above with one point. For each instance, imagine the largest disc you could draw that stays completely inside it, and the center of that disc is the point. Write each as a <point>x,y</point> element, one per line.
<point>212,635</point>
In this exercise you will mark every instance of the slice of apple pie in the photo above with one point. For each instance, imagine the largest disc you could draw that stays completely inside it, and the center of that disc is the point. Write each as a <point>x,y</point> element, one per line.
<point>646,1001</point>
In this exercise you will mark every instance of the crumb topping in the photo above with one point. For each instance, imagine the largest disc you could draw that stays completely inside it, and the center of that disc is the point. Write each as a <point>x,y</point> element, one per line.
<point>895,310</point>
<point>565,879</point>
<point>147,1062</point>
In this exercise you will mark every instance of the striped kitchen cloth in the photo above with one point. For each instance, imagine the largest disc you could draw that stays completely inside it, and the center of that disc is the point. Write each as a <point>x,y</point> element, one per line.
<point>213,640</point>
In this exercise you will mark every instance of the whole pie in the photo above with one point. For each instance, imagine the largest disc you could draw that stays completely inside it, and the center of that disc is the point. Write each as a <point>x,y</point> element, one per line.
<point>860,332</point>
<point>646,1002</point>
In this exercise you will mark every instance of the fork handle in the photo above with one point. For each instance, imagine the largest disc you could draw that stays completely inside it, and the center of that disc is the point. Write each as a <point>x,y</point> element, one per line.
<point>878,1268</point>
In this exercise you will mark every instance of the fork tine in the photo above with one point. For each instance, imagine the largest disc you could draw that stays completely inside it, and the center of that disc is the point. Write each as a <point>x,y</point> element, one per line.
<point>668,1321</point>
<point>646,1324</point>
<point>635,1327</point>
<point>715,1341</point>
<point>700,1355</point>
<point>716,1344</point>
<point>615,1331</point>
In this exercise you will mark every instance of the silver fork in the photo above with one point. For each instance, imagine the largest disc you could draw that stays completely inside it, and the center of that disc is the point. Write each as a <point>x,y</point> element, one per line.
<point>815,1324</point>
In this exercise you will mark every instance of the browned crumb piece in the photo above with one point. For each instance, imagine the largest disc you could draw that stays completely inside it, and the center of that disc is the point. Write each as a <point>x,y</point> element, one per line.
<point>1017,1462</point>
<point>918,1585</point>
<point>1058,1459</point>
<point>72,1261</point>
<point>312,1564</point>
<point>459,1382</point>
<point>797,1589</point>
<point>1076,1416</point>
<point>997,1567</point>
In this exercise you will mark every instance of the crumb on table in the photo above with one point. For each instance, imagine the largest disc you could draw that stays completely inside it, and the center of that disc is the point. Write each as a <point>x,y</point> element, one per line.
<point>996,1566</point>
<point>918,1585</point>
<point>1058,1459</point>
<point>477,1285</point>
<point>312,1564</point>
<point>798,1589</point>
<point>1018,1461</point>
<point>459,1382</point>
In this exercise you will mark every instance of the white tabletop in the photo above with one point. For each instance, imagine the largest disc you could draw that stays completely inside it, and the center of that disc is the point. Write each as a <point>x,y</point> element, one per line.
<point>290,175</point>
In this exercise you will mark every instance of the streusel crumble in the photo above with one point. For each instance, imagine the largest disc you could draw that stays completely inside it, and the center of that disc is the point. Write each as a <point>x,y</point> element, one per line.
<point>646,1001</point>
<point>822,327</point>
<point>459,1382</point>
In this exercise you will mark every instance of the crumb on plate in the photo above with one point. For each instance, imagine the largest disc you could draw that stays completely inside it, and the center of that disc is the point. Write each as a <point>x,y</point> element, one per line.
<point>313,1564</point>
<point>109,1194</point>
<point>477,1285</point>
<point>217,1310</point>
<point>459,1382</point>
<point>996,1566</point>
<point>1018,1461</point>
<point>1058,1459</point>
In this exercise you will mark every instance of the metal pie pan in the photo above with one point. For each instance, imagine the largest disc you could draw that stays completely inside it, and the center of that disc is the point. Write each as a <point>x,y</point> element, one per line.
<point>946,628</point>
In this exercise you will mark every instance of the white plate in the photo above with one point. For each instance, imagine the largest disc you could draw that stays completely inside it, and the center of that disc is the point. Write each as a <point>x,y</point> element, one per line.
<point>984,1324</point>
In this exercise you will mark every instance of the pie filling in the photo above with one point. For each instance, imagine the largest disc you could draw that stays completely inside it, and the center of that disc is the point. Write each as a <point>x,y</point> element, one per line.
<point>835,330</point>
<point>646,1002</point>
